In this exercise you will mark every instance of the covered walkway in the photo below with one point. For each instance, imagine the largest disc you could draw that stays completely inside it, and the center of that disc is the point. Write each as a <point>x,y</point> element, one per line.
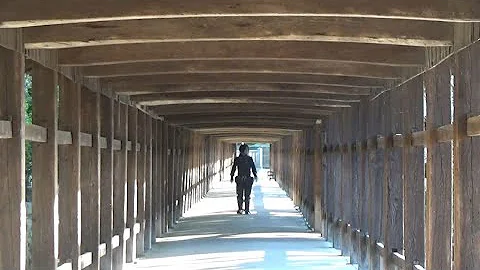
<point>212,236</point>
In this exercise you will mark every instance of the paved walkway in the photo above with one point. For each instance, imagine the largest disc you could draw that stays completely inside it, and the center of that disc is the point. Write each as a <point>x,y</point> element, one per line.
<point>212,236</point>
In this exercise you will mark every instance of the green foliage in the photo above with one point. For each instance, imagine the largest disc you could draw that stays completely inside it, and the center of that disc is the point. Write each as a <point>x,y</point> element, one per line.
<point>28,120</point>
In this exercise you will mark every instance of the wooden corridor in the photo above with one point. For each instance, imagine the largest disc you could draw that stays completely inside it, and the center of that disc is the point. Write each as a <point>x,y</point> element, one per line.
<point>371,109</point>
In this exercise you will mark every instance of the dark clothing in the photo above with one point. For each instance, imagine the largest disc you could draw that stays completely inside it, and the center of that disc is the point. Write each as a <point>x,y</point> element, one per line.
<point>244,181</point>
<point>244,188</point>
<point>244,164</point>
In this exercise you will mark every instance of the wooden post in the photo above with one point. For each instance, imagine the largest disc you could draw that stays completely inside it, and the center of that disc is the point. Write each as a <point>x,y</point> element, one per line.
<point>171,175</point>
<point>106,187</point>
<point>90,176</point>
<point>45,171</point>
<point>148,185</point>
<point>141,162</point>
<point>160,188</point>
<point>165,176</point>
<point>363,181</point>
<point>439,181</point>
<point>466,161</point>
<point>69,173</point>
<point>132,184</point>
<point>12,168</point>
<point>414,175</point>
<point>120,184</point>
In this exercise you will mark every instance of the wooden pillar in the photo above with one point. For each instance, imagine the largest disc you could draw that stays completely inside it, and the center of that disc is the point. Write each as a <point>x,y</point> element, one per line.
<point>318,179</point>
<point>141,162</point>
<point>106,187</point>
<point>363,181</point>
<point>148,184</point>
<point>120,184</point>
<point>439,180</point>
<point>132,184</point>
<point>69,173</point>
<point>165,175</point>
<point>12,165</point>
<point>467,160</point>
<point>45,171</point>
<point>414,175</point>
<point>159,189</point>
<point>171,175</point>
<point>90,176</point>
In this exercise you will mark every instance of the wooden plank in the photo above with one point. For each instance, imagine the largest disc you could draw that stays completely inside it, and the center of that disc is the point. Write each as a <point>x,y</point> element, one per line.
<point>419,138</point>
<point>445,133</point>
<point>115,241</point>
<point>393,55</point>
<point>126,234</point>
<point>64,137</point>
<point>132,183</point>
<point>438,191</point>
<point>69,171</point>
<point>466,159</point>
<point>65,266</point>
<point>414,174</point>
<point>171,179</point>
<point>90,172</point>
<point>117,145</point>
<point>13,218</point>
<point>149,162</point>
<point>60,12</point>
<point>473,126</point>
<point>119,185</point>
<point>85,260</point>
<point>165,181</point>
<point>141,157</point>
<point>45,170</point>
<point>365,30</point>
<point>107,174</point>
<point>102,250</point>
<point>36,133</point>
<point>86,139</point>
<point>5,129</point>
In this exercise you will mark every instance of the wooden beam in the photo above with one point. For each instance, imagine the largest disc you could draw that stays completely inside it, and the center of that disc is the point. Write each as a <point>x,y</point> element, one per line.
<point>140,187</point>
<point>240,87</point>
<point>256,95</point>
<point>246,131</point>
<point>154,101</point>
<point>207,116</point>
<point>246,119</point>
<point>5,129</point>
<point>69,172</point>
<point>145,80</point>
<point>45,170</point>
<point>119,184</point>
<point>107,175</point>
<point>281,125</point>
<point>131,184</point>
<point>56,12</point>
<point>13,220</point>
<point>35,133</point>
<point>90,176</point>
<point>239,107</point>
<point>149,162</point>
<point>253,66</point>
<point>360,30</point>
<point>275,50</point>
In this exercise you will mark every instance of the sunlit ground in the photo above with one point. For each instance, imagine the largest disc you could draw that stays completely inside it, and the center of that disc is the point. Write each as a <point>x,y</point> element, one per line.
<point>212,236</point>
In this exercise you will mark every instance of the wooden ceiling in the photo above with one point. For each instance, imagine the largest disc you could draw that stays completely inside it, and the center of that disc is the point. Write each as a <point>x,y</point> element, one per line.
<point>241,69</point>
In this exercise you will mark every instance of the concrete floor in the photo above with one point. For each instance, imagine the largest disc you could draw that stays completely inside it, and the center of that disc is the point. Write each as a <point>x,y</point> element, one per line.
<point>212,236</point>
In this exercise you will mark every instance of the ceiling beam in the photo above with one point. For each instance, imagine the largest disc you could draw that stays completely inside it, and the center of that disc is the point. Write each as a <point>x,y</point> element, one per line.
<point>25,13</point>
<point>179,109</point>
<point>245,131</point>
<point>249,139</point>
<point>250,66</point>
<point>292,95</point>
<point>257,124</point>
<point>195,117</point>
<point>246,120</point>
<point>142,80</point>
<point>239,87</point>
<point>233,50</point>
<point>359,30</point>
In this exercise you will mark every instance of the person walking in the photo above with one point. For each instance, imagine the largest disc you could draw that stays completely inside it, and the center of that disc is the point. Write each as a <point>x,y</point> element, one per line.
<point>244,181</point>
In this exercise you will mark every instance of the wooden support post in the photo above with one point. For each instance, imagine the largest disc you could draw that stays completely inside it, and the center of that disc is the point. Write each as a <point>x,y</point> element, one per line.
<point>132,184</point>
<point>171,175</point>
<point>45,171</point>
<point>159,189</point>
<point>466,161</point>
<point>12,168</point>
<point>414,175</point>
<point>106,187</point>
<point>165,176</point>
<point>141,156</point>
<point>439,180</point>
<point>90,177</point>
<point>69,173</point>
<point>120,184</point>
<point>363,181</point>
<point>148,184</point>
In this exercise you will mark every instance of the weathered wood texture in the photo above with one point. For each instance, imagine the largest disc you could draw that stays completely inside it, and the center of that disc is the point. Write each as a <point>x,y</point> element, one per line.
<point>12,165</point>
<point>439,163</point>
<point>90,180</point>
<point>132,183</point>
<point>45,170</point>
<point>107,174</point>
<point>69,167</point>
<point>148,184</point>
<point>466,159</point>
<point>140,185</point>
